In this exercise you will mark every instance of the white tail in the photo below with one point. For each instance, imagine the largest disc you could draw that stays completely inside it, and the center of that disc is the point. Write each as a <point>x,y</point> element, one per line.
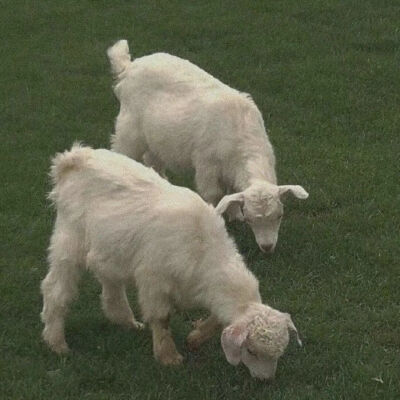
<point>65,162</point>
<point>119,57</point>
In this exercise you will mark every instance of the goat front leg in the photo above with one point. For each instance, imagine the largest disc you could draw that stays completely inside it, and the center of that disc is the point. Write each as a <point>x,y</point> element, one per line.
<point>152,161</point>
<point>235,213</point>
<point>203,331</point>
<point>163,344</point>
<point>207,183</point>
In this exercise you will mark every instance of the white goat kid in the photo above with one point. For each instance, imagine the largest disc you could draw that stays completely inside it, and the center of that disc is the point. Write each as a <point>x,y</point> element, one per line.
<point>175,115</point>
<point>126,224</point>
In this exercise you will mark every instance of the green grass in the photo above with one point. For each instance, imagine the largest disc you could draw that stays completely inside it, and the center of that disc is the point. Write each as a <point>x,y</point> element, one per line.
<point>325,74</point>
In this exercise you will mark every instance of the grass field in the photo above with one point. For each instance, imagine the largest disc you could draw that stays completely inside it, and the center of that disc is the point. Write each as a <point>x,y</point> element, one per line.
<point>325,74</point>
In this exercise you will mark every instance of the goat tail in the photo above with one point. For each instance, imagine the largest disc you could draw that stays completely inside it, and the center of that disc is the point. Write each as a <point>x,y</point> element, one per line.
<point>119,57</point>
<point>73,159</point>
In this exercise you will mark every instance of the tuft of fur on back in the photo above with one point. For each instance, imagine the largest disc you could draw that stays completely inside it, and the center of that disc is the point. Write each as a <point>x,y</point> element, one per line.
<point>119,57</point>
<point>62,163</point>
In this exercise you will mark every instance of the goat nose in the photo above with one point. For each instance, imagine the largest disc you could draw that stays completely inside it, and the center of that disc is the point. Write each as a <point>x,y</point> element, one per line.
<point>267,248</point>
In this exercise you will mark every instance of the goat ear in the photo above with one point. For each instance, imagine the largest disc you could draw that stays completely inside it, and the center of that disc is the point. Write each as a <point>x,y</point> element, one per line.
<point>292,328</point>
<point>232,339</point>
<point>296,190</point>
<point>228,200</point>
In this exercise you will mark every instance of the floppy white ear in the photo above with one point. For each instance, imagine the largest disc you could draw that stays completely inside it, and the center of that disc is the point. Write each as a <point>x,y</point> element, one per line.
<point>292,327</point>
<point>228,200</point>
<point>232,339</point>
<point>296,190</point>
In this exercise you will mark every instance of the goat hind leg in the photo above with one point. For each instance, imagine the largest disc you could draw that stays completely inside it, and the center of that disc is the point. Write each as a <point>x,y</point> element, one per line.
<point>59,288</point>
<point>116,306</point>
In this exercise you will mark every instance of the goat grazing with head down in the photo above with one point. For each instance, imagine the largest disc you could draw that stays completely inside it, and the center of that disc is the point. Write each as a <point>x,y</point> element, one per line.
<point>175,115</point>
<point>126,224</point>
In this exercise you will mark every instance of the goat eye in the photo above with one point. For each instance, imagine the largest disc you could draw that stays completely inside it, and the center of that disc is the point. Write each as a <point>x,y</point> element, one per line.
<point>251,352</point>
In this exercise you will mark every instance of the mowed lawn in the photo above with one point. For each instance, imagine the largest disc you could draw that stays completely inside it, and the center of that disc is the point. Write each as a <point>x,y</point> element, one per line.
<point>325,74</point>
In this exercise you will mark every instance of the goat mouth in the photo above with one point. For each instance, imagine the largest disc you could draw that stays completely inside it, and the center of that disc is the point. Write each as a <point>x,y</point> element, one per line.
<point>268,250</point>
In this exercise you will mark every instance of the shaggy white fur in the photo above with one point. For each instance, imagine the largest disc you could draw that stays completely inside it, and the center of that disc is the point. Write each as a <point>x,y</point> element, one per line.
<point>126,224</point>
<point>175,115</point>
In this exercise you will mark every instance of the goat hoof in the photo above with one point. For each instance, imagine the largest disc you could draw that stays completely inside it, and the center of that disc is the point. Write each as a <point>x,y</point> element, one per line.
<point>171,359</point>
<point>194,340</point>
<point>137,325</point>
